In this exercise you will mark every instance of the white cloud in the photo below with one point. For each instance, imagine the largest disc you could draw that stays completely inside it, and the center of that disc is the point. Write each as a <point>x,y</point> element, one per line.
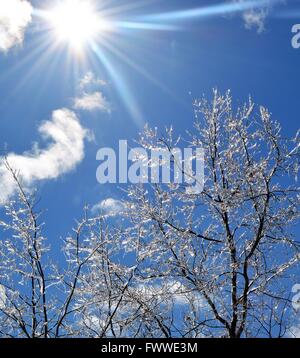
<point>60,157</point>
<point>90,80</point>
<point>255,16</point>
<point>172,290</point>
<point>15,16</point>
<point>91,102</point>
<point>91,99</point>
<point>255,19</point>
<point>294,331</point>
<point>109,207</point>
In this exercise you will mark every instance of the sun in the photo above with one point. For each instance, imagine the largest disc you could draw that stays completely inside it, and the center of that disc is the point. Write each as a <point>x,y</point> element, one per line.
<point>75,22</point>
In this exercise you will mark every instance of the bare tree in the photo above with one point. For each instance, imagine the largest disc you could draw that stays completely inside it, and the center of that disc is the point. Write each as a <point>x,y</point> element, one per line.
<point>233,243</point>
<point>219,263</point>
<point>22,270</point>
<point>91,293</point>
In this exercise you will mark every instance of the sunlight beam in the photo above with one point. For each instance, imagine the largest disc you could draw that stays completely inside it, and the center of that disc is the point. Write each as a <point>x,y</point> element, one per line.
<point>125,94</point>
<point>208,11</point>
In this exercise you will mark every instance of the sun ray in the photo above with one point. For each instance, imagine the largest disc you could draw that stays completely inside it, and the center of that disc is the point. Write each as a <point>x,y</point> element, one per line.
<point>92,31</point>
<point>117,52</point>
<point>39,55</point>
<point>208,11</point>
<point>144,26</point>
<point>122,86</point>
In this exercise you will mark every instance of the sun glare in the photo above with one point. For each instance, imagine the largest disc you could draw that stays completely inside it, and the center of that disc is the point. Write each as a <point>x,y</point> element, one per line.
<point>75,22</point>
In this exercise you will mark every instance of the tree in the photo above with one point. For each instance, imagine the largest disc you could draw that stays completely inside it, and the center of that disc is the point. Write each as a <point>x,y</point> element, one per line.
<point>220,263</point>
<point>92,294</point>
<point>232,244</point>
<point>25,309</point>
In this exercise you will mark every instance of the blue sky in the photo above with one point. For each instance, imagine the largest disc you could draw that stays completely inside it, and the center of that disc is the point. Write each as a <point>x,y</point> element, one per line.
<point>145,76</point>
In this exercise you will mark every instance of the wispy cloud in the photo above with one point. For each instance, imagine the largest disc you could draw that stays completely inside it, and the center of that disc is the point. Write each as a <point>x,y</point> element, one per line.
<point>89,79</point>
<point>255,19</point>
<point>170,290</point>
<point>294,331</point>
<point>256,14</point>
<point>91,102</point>
<point>109,207</point>
<point>90,98</point>
<point>60,157</point>
<point>15,16</point>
